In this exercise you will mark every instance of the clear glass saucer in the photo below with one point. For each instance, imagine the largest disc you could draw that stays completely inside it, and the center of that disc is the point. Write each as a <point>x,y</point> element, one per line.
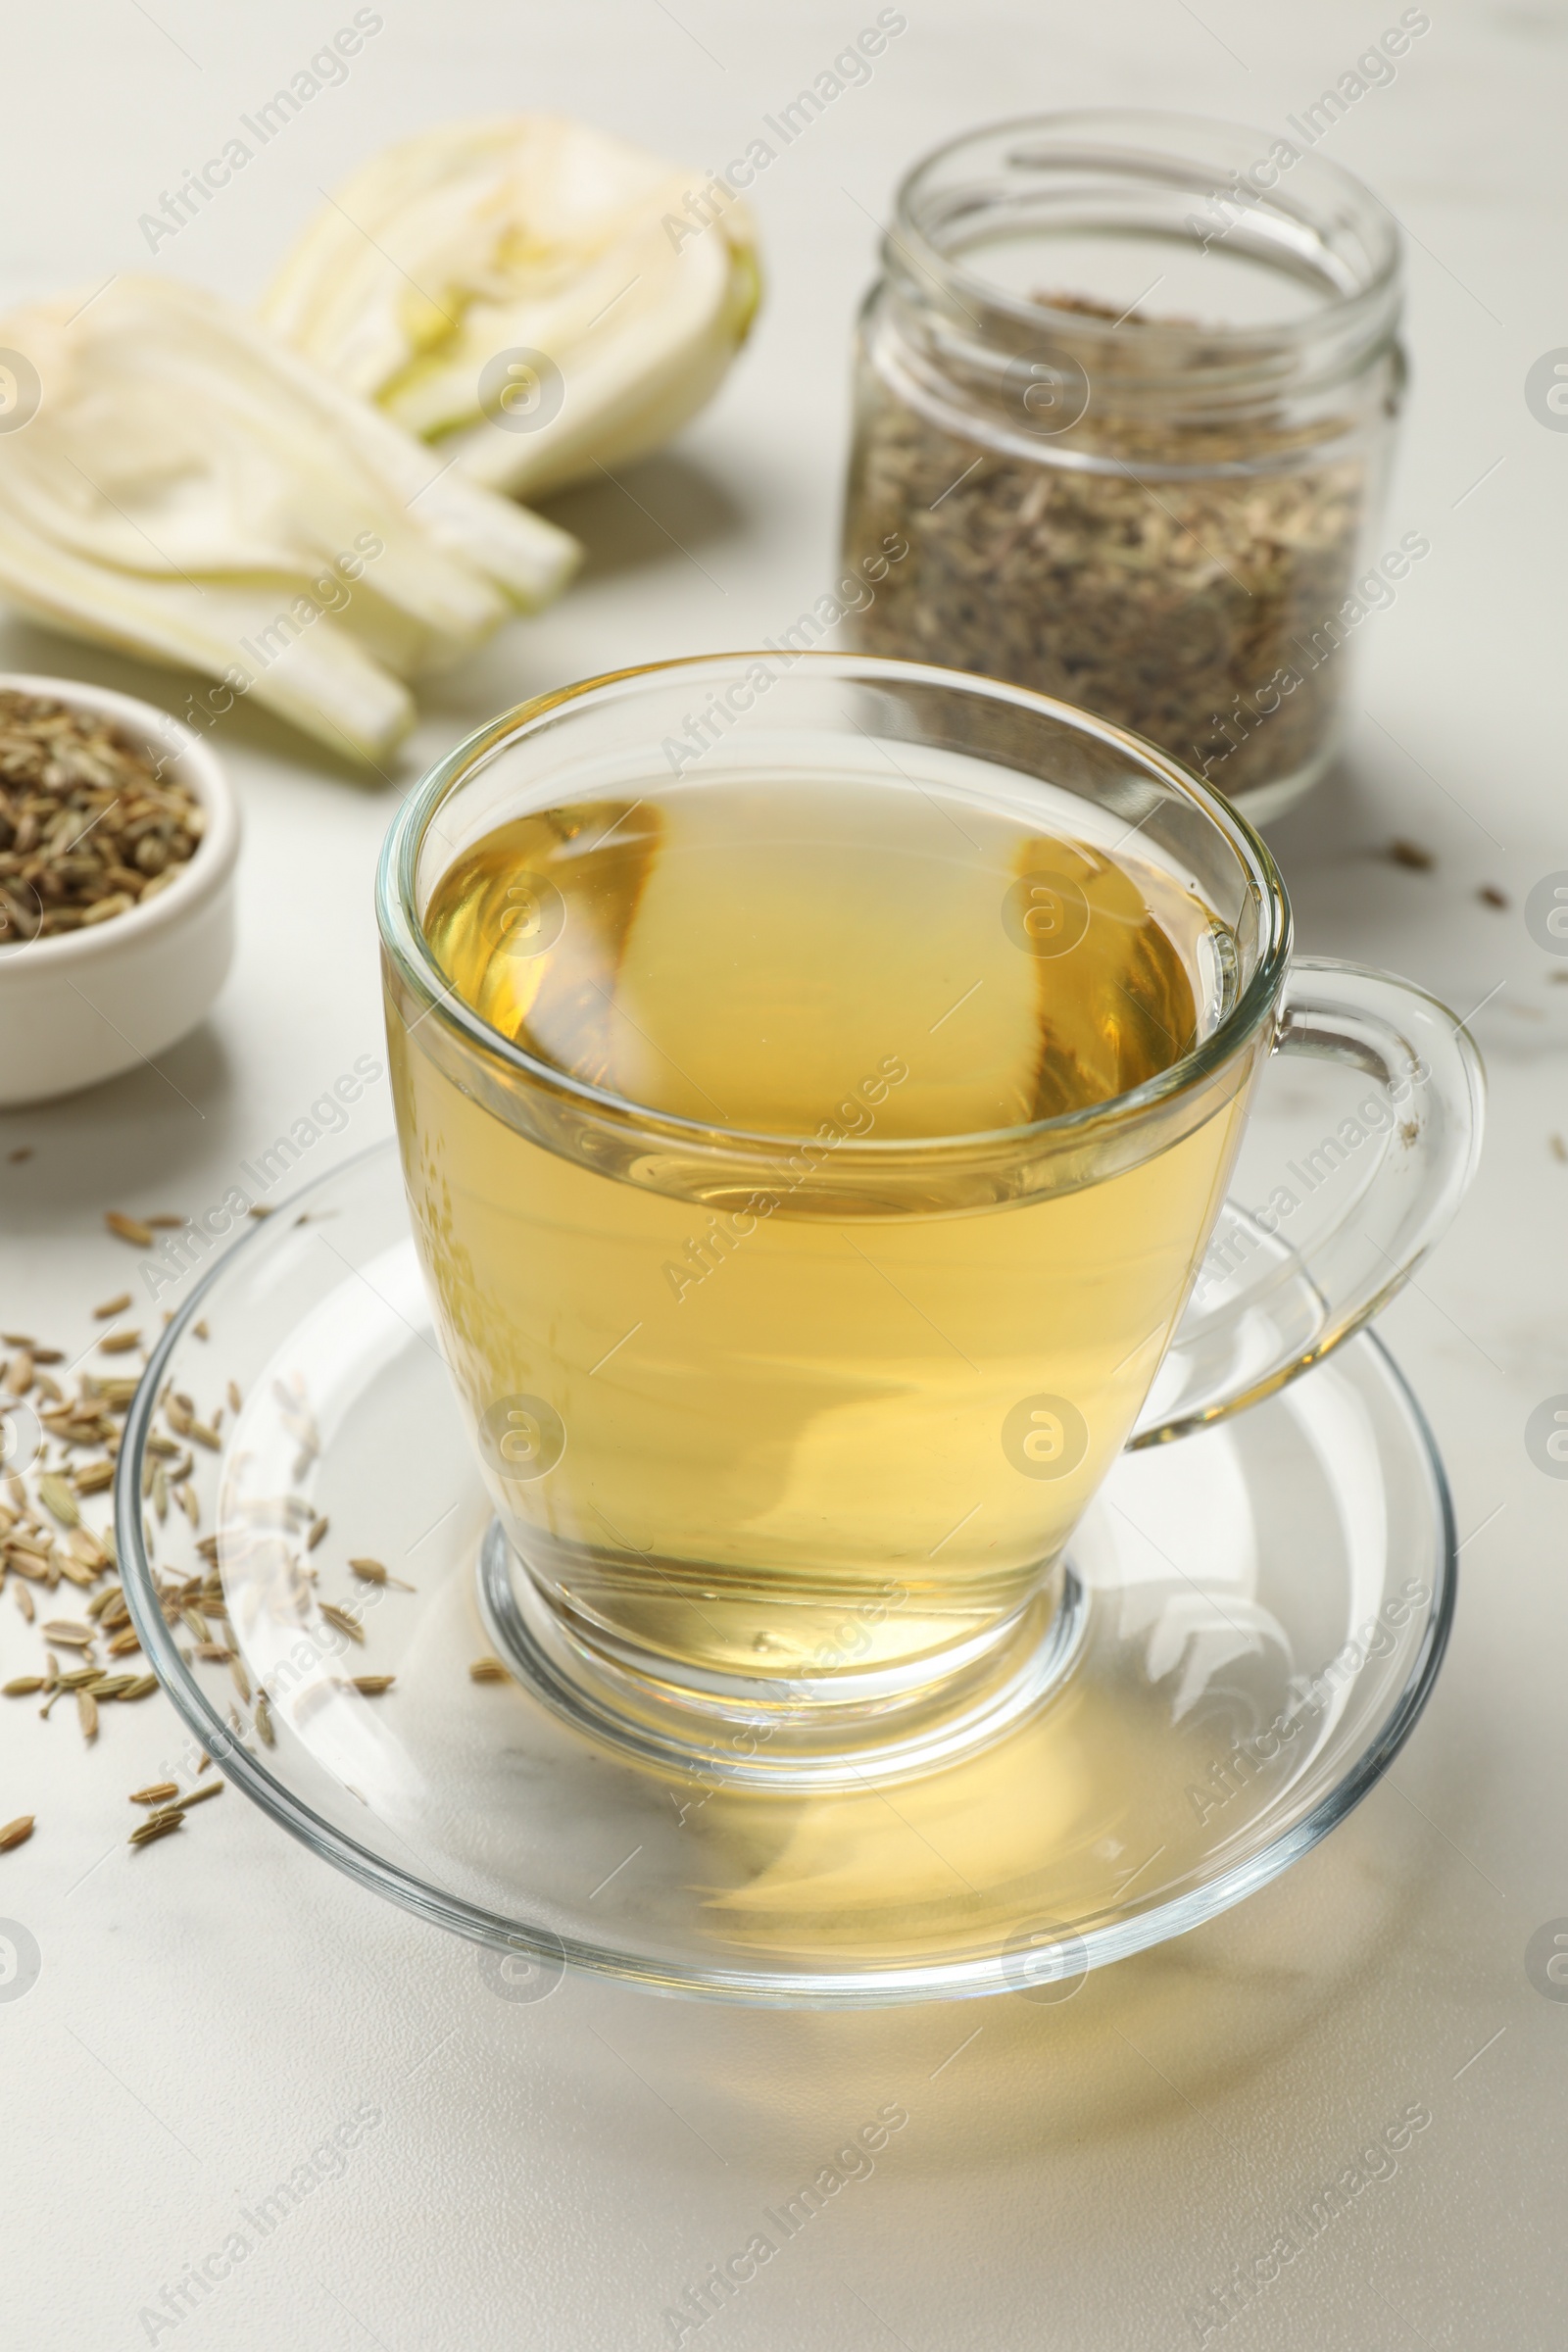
<point>1263,1610</point>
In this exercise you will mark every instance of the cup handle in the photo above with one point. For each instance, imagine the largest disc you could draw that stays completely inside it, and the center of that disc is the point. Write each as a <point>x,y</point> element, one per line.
<point>1261,1311</point>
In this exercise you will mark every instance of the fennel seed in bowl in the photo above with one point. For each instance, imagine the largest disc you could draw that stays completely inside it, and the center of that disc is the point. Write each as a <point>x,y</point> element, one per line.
<point>89,827</point>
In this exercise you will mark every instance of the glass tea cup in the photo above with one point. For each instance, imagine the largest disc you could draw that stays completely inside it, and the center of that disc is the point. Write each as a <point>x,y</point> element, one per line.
<point>818,1077</point>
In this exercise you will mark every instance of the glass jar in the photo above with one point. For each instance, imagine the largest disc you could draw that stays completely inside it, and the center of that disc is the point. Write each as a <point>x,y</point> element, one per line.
<point>1126,396</point>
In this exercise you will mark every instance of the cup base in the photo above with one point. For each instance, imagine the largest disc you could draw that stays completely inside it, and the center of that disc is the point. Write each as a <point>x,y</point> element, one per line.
<point>763,1735</point>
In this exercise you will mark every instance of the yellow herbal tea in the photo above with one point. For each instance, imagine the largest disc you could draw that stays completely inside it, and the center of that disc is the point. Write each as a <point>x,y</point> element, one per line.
<point>774,1408</point>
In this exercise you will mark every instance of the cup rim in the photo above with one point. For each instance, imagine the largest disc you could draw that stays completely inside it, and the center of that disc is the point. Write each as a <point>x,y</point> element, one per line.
<point>409,952</point>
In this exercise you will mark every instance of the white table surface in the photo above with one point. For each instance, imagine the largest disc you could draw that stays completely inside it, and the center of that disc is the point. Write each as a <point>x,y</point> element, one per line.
<point>558,2174</point>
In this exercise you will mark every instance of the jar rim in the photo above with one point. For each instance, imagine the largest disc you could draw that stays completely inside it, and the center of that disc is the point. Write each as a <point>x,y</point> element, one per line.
<point>1173,150</point>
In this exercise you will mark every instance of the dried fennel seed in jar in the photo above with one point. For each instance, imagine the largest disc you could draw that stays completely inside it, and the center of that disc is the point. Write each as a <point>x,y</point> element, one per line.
<point>1191,608</point>
<point>1135,434</point>
<point>89,826</point>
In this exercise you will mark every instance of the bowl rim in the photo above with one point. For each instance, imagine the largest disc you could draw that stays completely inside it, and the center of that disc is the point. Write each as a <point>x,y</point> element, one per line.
<point>204,872</point>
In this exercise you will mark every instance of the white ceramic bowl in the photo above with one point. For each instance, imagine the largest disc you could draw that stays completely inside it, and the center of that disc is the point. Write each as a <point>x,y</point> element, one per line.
<point>87,1004</point>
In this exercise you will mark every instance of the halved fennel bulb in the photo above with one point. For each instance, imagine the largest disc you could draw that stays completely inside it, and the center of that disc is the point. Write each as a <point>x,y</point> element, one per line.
<point>532,296</point>
<point>189,488</point>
